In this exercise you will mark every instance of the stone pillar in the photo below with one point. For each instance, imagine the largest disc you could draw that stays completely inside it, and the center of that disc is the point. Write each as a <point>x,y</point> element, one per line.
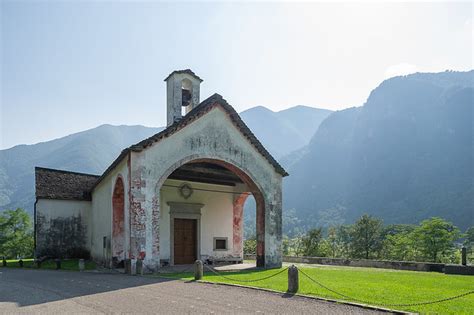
<point>133,267</point>
<point>260,233</point>
<point>58,263</point>
<point>127,266</point>
<point>198,270</point>
<point>139,267</point>
<point>464,256</point>
<point>293,279</point>
<point>81,265</point>
<point>273,227</point>
<point>238,218</point>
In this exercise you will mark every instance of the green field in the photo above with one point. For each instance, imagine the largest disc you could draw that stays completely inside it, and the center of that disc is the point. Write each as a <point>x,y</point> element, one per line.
<point>377,286</point>
<point>67,264</point>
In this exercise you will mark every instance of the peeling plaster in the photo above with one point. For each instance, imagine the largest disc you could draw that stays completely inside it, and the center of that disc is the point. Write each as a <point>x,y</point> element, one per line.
<point>212,137</point>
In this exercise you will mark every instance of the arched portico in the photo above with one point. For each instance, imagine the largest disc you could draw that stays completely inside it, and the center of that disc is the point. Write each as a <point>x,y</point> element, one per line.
<point>210,138</point>
<point>267,221</point>
<point>253,188</point>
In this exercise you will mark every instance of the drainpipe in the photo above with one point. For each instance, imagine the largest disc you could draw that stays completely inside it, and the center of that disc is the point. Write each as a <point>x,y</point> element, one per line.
<point>34,227</point>
<point>129,164</point>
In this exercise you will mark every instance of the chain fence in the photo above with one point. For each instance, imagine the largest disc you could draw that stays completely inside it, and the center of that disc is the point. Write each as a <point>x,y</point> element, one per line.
<point>191,268</point>
<point>244,280</point>
<point>350,298</point>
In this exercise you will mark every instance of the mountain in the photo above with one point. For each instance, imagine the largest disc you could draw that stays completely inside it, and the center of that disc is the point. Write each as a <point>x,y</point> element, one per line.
<point>90,151</point>
<point>404,156</point>
<point>284,131</point>
<point>93,150</point>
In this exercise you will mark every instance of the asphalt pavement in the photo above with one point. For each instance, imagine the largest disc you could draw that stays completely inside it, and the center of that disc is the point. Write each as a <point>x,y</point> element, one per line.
<point>49,291</point>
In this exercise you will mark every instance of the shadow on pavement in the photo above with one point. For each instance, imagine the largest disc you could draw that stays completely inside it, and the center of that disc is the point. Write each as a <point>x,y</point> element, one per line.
<point>29,287</point>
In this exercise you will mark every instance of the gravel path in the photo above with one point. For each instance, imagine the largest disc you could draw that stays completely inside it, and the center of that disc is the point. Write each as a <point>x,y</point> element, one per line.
<point>48,291</point>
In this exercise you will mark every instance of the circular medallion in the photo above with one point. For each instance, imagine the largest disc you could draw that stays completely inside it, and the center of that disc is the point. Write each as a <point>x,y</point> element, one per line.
<point>185,190</point>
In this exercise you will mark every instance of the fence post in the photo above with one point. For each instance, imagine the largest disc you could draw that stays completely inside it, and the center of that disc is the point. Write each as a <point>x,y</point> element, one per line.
<point>20,263</point>
<point>58,263</point>
<point>139,267</point>
<point>133,266</point>
<point>198,270</point>
<point>293,279</point>
<point>464,256</point>
<point>4,262</point>
<point>81,265</point>
<point>127,266</point>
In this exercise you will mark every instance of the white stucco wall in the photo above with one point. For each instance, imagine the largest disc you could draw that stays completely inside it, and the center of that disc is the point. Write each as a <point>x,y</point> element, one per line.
<point>216,216</point>
<point>101,212</point>
<point>212,136</point>
<point>62,211</point>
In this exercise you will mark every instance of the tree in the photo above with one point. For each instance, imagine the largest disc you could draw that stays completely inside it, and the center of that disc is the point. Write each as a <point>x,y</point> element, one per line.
<point>297,244</point>
<point>436,238</point>
<point>469,240</point>
<point>399,242</point>
<point>344,240</point>
<point>332,242</point>
<point>366,237</point>
<point>250,246</point>
<point>16,234</point>
<point>312,242</point>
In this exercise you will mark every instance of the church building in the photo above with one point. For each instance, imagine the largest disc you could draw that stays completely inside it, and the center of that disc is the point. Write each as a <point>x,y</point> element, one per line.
<point>170,199</point>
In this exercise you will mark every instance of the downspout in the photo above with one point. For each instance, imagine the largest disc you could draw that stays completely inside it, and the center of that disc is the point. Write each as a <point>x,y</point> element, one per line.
<point>34,227</point>
<point>129,164</point>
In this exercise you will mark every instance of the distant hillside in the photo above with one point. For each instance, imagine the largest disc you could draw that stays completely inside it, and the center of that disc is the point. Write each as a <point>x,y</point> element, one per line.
<point>404,156</point>
<point>93,150</point>
<point>90,151</point>
<point>284,131</point>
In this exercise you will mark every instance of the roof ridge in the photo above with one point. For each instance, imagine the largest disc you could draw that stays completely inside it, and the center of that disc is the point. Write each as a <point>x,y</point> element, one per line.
<point>187,71</point>
<point>202,108</point>
<point>64,171</point>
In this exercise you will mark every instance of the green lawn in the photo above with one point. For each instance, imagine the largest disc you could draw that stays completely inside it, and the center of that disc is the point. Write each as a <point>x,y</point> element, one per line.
<point>67,264</point>
<point>379,286</point>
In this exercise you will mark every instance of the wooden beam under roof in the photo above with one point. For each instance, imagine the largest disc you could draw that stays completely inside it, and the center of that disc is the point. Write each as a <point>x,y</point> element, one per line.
<point>206,173</point>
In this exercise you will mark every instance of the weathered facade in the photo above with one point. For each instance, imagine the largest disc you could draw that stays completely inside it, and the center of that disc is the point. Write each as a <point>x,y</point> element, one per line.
<point>178,196</point>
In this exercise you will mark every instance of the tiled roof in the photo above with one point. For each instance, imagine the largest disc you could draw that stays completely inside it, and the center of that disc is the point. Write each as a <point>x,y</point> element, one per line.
<point>195,113</point>
<point>59,184</point>
<point>188,71</point>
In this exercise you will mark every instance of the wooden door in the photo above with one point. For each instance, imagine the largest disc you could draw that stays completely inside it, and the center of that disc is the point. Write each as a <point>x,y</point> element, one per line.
<point>185,241</point>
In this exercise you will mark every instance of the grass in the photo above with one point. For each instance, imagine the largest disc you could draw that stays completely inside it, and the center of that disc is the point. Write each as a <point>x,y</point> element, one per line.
<point>379,286</point>
<point>67,264</point>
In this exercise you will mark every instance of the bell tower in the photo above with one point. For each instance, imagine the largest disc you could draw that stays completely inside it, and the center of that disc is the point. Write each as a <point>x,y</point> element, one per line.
<point>182,94</point>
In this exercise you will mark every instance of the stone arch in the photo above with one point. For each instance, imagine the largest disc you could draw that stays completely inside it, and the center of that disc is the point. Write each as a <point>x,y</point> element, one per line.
<point>118,220</point>
<point>254,188</point>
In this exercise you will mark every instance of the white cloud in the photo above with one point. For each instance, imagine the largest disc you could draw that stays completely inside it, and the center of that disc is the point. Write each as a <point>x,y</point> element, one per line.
<point>400,69</point>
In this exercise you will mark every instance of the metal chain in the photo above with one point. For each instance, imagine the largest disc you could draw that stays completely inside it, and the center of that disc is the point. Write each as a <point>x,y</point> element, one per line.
<point>384,304</point>
<point>188,269</point>
<point>242,280</point>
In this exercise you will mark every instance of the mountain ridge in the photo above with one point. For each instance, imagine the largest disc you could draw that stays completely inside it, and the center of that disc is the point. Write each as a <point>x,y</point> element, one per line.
<point>89,151</point>
<point>405,155</point>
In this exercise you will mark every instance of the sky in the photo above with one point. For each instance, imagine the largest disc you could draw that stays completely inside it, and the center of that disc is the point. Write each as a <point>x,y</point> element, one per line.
<point>67,66</point>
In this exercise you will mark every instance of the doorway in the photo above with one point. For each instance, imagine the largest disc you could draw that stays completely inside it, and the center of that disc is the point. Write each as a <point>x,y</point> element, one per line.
<point>185,241</point>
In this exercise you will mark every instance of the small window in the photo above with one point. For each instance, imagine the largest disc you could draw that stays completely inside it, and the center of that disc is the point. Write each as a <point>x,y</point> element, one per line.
<point>220,243</point>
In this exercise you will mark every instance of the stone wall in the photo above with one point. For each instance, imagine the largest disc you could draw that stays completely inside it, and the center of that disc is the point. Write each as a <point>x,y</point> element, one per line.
<point>101,215</point>
<point>62,229</point>
<point>385,264</point>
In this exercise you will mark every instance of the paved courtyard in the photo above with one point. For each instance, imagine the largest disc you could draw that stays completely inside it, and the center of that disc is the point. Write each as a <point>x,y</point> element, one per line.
<point>48,291</point>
